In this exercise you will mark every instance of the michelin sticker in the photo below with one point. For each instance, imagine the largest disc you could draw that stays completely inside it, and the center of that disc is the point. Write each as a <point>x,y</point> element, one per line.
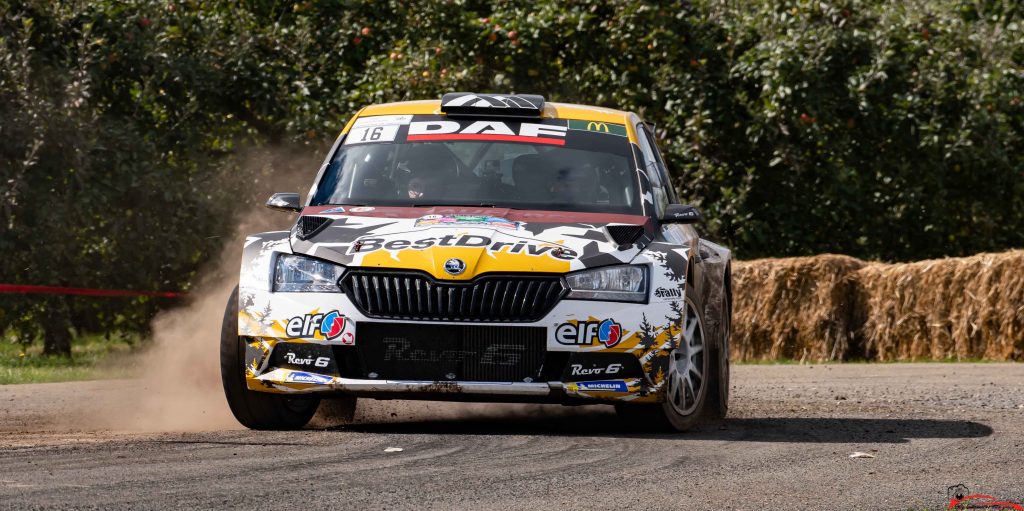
<point>602,386</point>
<point>301,377</point>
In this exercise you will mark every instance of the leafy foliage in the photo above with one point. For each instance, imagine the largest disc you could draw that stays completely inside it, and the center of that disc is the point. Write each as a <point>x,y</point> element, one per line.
<point>888,130</point>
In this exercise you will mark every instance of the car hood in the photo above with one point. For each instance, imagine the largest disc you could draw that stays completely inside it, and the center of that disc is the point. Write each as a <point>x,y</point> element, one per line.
<point>482,240</point>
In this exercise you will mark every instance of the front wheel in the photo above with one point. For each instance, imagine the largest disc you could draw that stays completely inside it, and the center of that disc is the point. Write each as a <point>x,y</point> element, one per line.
<point>686,382</point>
<point>718,392</point>
<point>255,410</point>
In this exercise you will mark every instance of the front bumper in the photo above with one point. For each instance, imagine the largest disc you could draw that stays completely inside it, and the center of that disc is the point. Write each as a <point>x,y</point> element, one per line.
<point>575,332</point>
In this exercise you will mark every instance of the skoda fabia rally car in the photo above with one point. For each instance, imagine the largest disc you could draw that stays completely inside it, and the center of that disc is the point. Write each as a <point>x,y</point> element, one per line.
<point>488,248</point>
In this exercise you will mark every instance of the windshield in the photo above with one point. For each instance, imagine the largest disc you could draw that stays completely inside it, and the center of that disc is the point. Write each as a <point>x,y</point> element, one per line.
<point>549,164</point>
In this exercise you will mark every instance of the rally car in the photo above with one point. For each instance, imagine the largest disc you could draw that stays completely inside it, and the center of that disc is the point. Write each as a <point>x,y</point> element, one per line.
<point>484,247</point>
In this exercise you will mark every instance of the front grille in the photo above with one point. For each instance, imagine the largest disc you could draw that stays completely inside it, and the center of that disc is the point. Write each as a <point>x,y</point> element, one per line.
<point>451,353</point>
<point>417,296</point>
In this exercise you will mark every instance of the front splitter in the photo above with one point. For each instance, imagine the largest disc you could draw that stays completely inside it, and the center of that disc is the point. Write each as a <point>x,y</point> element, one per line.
<point>298,382</point>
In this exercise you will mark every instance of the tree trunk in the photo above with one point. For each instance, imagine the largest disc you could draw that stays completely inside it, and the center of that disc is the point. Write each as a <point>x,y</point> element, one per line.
<point>57,330</point>
<point>56,341</point>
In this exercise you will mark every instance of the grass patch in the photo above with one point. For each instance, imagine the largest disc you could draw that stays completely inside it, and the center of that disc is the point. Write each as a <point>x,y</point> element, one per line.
<point>93,357</point>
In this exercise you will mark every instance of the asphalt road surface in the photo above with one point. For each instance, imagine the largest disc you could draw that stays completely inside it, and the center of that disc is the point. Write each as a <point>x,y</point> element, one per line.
<point>786,445</point>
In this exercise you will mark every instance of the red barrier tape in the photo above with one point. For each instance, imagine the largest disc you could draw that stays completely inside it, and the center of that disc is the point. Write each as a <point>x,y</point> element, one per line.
<point>54,290</point>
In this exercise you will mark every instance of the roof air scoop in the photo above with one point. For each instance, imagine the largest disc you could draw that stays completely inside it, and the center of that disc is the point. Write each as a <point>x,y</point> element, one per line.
<point>471,104</point>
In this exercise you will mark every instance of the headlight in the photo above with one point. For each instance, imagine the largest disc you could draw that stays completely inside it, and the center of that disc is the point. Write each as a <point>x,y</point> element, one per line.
<point>299,274</point>
<point>614,283</point>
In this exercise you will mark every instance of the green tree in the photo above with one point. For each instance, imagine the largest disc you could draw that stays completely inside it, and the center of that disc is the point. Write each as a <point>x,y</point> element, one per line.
<point>884,130</point>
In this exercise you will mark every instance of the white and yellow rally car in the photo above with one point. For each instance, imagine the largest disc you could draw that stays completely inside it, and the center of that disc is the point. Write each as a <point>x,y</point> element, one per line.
<point>484,247</point>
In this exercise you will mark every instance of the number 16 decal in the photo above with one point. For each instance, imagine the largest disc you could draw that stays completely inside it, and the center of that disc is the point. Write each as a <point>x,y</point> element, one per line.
<point>370,134</point>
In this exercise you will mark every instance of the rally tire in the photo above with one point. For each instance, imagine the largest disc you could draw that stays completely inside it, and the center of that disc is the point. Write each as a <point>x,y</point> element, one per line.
<point>255,410</point>
<point>684,402</point>
<point>718,393</point>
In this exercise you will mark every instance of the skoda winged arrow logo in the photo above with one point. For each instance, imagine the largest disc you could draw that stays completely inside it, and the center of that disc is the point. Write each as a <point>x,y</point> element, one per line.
<point>454,266</point>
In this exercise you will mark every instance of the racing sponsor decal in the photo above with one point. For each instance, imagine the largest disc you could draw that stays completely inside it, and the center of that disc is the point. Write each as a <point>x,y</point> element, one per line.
<point>371,244</point>
<point>601,365</point>
<point>668,292</point>
<point>361,209</point>
<point>302,377</point>
<point>601,386</point>
<point>292,358</point>
<point>609,333</point>
<point>303,356</point>
<point>584,333</point>
<point>579,370</point>
<point>466,220</point>
<point>370,134</point>
<point>333,210</point>
<point>455,99</point>
<point>600,127</point>
<point>403,350</point>
<point>377,128</point>
<point>325,326</point>
<point>382,120</point>
<point>423,131</point>
<point>427,128</point>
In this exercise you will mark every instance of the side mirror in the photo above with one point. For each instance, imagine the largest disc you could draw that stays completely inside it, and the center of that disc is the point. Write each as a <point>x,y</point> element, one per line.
<point>681,214</point>
<point>284,202</point>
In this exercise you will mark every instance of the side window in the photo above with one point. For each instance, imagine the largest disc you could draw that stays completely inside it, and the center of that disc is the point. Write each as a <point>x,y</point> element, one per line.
<point>653,168</point>
<point>650,162</point>
<point>666,179</point>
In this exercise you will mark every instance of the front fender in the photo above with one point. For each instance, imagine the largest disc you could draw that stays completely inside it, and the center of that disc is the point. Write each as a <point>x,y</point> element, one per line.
<point>256,277</point>
<point>669,263</point>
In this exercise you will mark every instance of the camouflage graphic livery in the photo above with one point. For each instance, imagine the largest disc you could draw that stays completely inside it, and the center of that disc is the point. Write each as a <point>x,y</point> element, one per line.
<point>482,302</point>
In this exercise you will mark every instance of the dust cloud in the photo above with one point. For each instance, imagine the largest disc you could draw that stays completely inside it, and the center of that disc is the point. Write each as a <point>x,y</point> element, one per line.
<point>178,387</point>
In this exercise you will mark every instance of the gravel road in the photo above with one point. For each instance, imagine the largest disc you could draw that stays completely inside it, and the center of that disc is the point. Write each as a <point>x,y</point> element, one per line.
<point>786,445</point>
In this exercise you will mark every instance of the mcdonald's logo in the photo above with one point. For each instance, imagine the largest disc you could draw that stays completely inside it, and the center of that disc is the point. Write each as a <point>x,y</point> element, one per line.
<point>598,127</point>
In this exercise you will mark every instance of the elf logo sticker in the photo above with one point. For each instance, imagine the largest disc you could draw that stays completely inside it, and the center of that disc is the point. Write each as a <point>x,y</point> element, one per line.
<point>609,333</point>
<point>329,326</point>
<point>583,333</point>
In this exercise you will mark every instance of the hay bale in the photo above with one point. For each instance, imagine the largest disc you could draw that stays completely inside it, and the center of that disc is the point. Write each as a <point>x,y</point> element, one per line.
<point>970,307</point>
<point>797,308</point>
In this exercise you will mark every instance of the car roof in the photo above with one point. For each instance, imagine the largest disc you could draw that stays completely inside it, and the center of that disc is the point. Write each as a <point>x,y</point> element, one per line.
<point>551,111</point>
